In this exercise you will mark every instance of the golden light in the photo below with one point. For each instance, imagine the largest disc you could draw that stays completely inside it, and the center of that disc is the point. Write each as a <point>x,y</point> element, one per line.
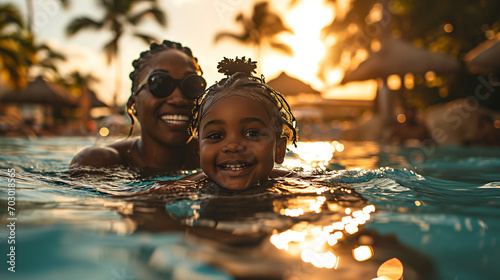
<point>417,203</point>
<point>104,131</point>
<point>306,19</point>
<point>409,81</point>
<point>334,76</point>
<point>313,243</point>
<point>430,76</point>
<point>362,253</point>
<point>497,123</point>
<point>320,260</point>
<point>443,92</point>
<point>316,205</point>
<point>282,240</point>
<point>394,82</point>
<point>311,155</point>
<point>292,212</point>
<point>448,28</point>
<point>391,269</point>
<point>351,228</point>
<point>365,90</point>
<point>375,45</point>
<point>339,147</point>
<point>401,118</point>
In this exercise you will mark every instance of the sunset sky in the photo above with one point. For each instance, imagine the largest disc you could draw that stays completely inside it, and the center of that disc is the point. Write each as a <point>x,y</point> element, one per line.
<point>193,23</point>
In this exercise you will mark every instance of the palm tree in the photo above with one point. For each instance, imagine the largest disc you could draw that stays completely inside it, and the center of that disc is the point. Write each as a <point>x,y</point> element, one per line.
<point>82,83</point>
<point>259,30</point>
<point>119,14</point>
<point>17,51</point>
<point>48,58</point>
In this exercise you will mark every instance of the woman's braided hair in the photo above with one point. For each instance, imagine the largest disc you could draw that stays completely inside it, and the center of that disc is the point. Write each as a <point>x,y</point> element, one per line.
<point>154,48</point>
<point>240,81</point>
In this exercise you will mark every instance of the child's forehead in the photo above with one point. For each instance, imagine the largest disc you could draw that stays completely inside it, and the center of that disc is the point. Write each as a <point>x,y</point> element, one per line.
<point>236,105</point>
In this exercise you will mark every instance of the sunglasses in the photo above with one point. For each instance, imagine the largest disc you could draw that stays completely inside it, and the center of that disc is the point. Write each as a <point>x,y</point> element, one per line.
<point>161,85</point>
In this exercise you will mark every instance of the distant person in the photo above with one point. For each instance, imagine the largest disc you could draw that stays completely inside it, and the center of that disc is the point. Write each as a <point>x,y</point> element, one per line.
<point>165,81</point>
<point>409,130</point>
<point>486,132</point>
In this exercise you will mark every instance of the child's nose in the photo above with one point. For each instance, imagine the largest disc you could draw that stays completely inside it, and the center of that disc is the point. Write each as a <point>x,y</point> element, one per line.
<point>234,147</point>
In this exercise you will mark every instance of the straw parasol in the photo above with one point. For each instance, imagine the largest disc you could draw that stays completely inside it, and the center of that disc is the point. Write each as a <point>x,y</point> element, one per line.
<point>42,92</point>
<point>485,57</point>
<point>287,85</point>
<point>96,102</point>
<point>400,57</point>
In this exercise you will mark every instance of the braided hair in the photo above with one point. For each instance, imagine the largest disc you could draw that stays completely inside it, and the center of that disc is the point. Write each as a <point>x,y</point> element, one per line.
<point>144,59</point>
<point>140,63</point>
<point>240,81</point>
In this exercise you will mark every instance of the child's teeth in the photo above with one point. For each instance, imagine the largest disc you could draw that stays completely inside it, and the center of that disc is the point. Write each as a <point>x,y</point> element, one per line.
<point>235,167</point>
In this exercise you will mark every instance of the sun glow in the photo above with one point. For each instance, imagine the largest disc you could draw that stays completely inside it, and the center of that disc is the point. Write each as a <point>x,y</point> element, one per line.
<point>315,243</point>
<point>306,19</point>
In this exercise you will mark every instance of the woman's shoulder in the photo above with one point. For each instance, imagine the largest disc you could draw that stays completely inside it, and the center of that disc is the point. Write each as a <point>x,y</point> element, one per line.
<point>100,157</point>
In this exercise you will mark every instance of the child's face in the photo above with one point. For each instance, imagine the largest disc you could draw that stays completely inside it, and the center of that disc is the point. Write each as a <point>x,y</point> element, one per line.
<point>238,146</point>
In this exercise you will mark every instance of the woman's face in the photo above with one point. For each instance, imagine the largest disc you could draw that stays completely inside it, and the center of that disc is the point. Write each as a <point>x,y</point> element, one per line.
<point>165,120</point>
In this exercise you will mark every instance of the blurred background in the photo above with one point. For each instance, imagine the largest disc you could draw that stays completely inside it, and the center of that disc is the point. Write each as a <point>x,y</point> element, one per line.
<point>350,69</point>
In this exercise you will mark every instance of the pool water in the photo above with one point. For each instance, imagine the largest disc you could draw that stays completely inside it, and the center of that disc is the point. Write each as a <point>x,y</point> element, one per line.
<point>365,211</point>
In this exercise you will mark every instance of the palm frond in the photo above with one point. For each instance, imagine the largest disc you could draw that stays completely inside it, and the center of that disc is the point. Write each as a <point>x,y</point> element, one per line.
<point>238,37</point>
<point>10,16</point>
<point>82,23</point>
<point>145,38</point>
<point>281,47</point>
<point>158,15</point>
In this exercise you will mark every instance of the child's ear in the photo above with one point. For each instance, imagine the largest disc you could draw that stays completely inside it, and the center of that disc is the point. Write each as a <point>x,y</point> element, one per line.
<point>279,155</point>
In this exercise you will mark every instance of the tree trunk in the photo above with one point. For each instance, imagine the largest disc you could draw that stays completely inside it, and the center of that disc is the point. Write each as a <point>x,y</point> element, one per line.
<point>29,6</point>
<point>118,82</point>
<point>85,107</point>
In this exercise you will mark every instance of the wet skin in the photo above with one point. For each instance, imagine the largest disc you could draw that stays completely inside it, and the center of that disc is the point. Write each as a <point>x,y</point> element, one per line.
<point>165,120</point>
<point>238,146</point>
<point>163,145</point>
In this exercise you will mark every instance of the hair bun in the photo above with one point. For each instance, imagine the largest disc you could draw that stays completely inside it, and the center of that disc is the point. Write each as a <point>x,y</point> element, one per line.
<point>229,66</point>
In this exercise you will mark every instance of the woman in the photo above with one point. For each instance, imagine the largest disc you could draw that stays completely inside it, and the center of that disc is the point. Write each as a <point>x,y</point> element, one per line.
<point>165,81</point>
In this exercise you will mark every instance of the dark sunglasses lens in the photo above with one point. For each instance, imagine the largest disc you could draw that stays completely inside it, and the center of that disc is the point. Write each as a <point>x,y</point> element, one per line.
<point>193,86</point>
<point>160,85</point>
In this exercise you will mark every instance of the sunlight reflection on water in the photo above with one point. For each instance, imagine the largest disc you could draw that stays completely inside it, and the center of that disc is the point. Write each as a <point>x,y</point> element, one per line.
<point>446,203</point>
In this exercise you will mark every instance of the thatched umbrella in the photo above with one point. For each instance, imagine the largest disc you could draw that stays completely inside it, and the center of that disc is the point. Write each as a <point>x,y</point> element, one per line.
<point>287,85</point>
<point>399,57</point>
<point>42,92</point>
<point>485,57</point>
<point>96,102</point>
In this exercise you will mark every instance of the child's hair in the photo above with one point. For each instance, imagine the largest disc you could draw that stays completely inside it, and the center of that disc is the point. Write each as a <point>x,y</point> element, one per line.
<point>154,48</point>
<point>239,81</point>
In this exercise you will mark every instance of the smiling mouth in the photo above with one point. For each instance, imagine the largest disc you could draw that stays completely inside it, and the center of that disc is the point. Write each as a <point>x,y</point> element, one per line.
<point>175,119</point>
<point>235,167</point>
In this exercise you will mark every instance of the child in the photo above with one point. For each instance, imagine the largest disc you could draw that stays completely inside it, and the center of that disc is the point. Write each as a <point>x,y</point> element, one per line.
<point>242,126</point>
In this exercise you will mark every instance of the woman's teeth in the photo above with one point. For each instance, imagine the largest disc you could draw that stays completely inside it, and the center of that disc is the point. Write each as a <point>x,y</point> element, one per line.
<point>175,119</point>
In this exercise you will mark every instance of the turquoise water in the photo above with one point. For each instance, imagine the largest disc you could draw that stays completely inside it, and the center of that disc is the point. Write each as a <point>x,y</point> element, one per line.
<point>437,211</point>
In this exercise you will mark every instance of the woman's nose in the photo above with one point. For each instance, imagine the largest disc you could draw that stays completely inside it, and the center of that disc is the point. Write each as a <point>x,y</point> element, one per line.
<point>177,98</point>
